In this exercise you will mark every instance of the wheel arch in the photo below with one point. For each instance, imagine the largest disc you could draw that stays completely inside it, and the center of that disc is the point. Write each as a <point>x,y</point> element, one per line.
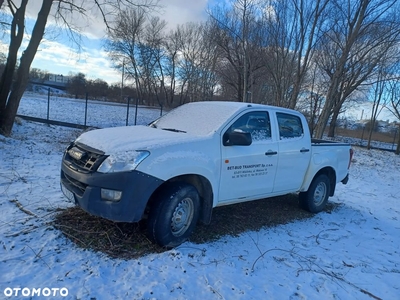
<point>330,172</point>
<point>203,186</point>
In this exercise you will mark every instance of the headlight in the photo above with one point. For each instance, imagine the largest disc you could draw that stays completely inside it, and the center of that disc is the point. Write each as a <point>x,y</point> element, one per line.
<point>126,161</point>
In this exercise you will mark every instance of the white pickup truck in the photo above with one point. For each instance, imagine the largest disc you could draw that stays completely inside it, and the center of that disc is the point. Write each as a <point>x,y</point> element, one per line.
<point>198,156</point>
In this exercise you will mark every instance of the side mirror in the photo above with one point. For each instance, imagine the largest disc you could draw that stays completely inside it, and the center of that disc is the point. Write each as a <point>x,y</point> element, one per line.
<point>237,138</point>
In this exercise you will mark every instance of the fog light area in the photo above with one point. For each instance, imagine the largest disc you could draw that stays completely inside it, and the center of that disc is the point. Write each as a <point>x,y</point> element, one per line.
<point>111,195</point>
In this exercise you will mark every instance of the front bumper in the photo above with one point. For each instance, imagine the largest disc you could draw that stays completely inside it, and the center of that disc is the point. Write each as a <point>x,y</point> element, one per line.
<point>136,188</point>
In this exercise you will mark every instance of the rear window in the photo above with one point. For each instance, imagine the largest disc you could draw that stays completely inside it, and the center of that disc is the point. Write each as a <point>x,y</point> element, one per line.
<point>289,126</point>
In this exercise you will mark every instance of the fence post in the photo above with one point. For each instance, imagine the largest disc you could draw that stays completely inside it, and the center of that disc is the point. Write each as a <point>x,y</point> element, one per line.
<point>136,108</point>
<point>362,136</point>
<point>48,104</point>
<point>127,111</point>
<point>394,139</point>
<point>397,152</point>
<point>86,104</point>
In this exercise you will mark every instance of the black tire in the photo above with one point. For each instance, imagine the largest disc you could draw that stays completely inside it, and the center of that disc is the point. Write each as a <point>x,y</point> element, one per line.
<point>173,215</point>
<point>315,199</point>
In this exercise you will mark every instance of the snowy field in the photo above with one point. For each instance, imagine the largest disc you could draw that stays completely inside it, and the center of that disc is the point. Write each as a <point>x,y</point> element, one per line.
<point>351,253</point>
<point>99,114</point>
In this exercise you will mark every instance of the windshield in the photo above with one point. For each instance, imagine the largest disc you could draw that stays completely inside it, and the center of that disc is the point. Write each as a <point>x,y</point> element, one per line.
<point>198,118</point>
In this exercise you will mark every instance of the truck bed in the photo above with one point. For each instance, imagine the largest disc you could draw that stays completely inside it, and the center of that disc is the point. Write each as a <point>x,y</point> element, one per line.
<point>318,142</point>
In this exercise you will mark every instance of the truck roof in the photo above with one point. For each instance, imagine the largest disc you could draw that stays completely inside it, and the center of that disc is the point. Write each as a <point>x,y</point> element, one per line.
<point>238,106</point>
<point>205,117</point>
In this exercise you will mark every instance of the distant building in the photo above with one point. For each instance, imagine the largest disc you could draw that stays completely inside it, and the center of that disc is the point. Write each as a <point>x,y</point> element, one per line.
<point>58,78</point>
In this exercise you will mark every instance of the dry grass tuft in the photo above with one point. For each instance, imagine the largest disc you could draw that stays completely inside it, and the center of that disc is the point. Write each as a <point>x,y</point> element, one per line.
<point>127,241</point>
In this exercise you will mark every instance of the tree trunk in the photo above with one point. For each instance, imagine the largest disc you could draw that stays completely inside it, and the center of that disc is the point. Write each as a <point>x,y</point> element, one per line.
<point>8,116</point>
<point>332,97</point>
<point>398,143</point>
<point>322,121</point>
<point>16,35</point>
<point>332,124</point>
<point>338,77</point>
<point>371,129</point>
<point>332,127</point>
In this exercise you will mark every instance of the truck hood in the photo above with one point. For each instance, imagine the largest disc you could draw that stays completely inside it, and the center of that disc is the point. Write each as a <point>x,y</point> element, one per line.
<point>120,139</point>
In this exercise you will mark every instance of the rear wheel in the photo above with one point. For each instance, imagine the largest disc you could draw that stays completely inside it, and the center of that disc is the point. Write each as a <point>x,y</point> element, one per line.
<point>173,215</point>
<point>315,199</point>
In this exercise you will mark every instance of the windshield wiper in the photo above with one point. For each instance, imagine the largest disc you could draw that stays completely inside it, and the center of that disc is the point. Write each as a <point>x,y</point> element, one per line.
<point>173,130</point>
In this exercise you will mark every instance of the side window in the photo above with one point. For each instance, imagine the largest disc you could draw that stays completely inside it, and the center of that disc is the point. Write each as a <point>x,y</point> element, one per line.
<point>256,123</point>
<point>289,126</point>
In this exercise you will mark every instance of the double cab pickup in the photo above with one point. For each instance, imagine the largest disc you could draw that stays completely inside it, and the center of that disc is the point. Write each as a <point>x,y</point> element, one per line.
<point>198,156</point>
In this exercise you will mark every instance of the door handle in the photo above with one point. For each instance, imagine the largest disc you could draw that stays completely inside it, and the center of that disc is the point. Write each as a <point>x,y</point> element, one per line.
<point>304,150</point>
<point>271,153</point>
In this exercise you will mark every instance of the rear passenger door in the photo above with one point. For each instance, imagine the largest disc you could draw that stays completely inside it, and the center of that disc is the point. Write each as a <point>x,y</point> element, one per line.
<point>294,153</point>
<point>248,171</point>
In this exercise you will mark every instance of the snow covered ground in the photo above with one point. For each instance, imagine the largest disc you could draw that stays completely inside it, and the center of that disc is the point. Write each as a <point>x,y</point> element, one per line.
<point>351,253</point>
<point>99,114</point>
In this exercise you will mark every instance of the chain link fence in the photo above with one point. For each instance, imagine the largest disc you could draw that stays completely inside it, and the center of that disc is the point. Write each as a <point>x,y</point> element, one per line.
<point>383,139</point>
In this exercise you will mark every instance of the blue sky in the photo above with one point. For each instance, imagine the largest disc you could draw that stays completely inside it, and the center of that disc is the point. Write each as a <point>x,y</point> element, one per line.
<point>63,58</point>
<point>57,54</point>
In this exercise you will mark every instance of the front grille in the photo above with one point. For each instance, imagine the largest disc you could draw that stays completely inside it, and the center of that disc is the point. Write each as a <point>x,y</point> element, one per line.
<point>82,159</point>
<point>77,186</point>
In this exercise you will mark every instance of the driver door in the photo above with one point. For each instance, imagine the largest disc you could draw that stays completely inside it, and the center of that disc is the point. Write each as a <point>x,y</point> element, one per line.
<point>248,171</point>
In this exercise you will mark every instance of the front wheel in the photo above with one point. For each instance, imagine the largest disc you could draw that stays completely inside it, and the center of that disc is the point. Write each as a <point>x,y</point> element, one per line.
<point>174,215</point>
<point>315,199</point>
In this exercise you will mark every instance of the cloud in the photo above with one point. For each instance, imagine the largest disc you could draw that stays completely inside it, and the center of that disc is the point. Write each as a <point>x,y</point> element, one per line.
<point>91,23</point>
<point>58,54</point>
<point>58,58</point>
<point>181,11</point>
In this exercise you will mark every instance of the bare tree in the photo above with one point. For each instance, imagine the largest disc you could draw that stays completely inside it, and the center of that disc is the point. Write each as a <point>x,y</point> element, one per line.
<point>97,89</point>
<point>157,41</point>
<point>312,100</point>
<point>189,41</point>
<point>77,85</point>
<point>151,60</point>
<point>378,103</point>
<point>123,44</point>
<point>394,92</point>
<point>12,91</point>
<point>10,98</point>
<point>394,99</point>
<point>361,32</point>
<point>159,63</point>
<point>209,57</point>
<point>238,31</point>
<point>172,48</point>
<point>361,68</point>
<point>293,27</point>
<point>38,75</point>
<point>196,62</point>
